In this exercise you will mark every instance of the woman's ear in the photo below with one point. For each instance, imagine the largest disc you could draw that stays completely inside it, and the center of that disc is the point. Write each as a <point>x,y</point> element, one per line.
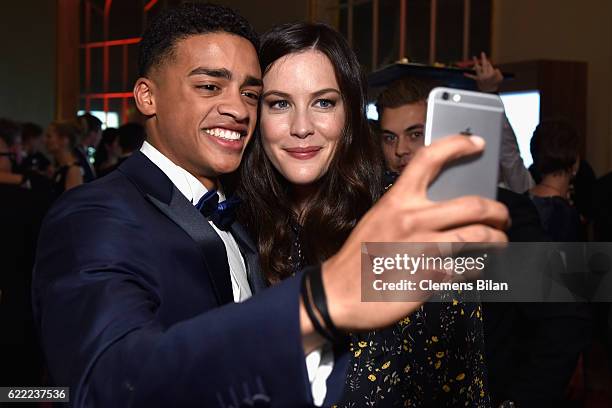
<point>144,96</point>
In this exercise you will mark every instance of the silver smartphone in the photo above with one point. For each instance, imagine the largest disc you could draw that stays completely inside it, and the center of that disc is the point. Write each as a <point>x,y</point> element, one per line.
<point>456,111</point>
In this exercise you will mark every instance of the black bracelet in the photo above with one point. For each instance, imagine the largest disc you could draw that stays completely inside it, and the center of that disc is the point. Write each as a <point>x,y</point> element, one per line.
<point>309,310</point>
<point>320,301</point>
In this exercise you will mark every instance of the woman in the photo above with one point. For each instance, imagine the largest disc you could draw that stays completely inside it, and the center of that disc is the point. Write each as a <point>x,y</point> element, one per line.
<point>554,147</point>
<point>307,178</point>
<point>60,140</point>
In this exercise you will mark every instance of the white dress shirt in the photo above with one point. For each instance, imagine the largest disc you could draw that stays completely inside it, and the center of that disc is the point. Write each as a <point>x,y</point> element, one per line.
<point>319,363</point>
<point>193,190</point>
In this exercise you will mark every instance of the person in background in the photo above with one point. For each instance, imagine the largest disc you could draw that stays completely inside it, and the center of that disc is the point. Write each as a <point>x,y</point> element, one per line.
<point>60,140</point>
<point>602,199</point>
<point>398,148</point>
<point>581,195</point>
<point>108,151</point>
<point>554,148</point>
<point>10,137</point>
<point>21,213</point>
<point>130,138</point>
<point>32,142</point>
<point>90,138</point>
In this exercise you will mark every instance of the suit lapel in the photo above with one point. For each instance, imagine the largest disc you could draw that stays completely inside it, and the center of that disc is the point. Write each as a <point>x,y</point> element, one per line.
<point>251,257</point>
<point>160,191</point>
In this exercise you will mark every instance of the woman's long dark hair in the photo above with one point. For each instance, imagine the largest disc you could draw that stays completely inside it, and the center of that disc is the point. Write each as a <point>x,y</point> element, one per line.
<point>351,184</point>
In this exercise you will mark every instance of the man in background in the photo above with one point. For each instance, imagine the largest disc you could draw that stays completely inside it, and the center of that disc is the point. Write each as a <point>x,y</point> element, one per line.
<point>31,142</point>
<point>91,135</point>
<point>130,138</point>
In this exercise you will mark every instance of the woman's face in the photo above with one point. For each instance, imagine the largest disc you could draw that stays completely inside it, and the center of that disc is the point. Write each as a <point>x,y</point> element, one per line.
<point>53,141</point>
<point>302,115</point>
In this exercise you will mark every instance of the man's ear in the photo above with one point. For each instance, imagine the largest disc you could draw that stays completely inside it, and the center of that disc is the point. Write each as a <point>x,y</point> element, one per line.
<point>143,95</point>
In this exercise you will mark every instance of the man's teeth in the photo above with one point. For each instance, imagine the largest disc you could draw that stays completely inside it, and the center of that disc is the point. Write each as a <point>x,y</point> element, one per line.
<point>223,133</point>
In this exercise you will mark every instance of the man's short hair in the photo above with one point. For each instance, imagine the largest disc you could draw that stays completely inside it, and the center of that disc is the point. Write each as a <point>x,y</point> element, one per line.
<point>90,123</point>
<point>403,92</point>
<point>9,131</point>
<point>188,19</point>
<point>131,137</point>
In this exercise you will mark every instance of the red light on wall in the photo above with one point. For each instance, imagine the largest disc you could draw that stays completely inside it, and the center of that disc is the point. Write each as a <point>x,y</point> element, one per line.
<point>149,5</point>
<point>111,43</point>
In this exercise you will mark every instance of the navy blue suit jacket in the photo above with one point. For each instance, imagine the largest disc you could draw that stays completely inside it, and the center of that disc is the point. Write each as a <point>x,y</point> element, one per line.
<point>131,313</point>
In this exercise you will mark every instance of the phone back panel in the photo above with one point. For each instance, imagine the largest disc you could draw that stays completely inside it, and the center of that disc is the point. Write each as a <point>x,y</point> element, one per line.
<point>469,113</point>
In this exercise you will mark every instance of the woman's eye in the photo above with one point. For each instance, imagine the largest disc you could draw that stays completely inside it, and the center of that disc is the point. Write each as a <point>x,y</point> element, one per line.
<point>325,103</point>
<point>280,104</point>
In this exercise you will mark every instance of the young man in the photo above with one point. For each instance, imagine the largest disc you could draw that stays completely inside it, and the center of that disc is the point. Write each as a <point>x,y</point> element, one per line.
<point>141,312</point>
<point>405,108</point>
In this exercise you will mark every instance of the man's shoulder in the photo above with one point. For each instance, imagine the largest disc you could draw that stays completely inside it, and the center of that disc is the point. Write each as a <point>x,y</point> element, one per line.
<point>113,192</point>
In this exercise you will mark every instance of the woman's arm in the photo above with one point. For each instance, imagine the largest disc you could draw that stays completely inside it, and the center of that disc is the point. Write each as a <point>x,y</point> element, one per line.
<point>74,177</point>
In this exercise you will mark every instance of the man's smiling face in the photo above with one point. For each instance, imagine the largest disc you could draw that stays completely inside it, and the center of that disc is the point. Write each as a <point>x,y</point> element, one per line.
<point>204,100</point>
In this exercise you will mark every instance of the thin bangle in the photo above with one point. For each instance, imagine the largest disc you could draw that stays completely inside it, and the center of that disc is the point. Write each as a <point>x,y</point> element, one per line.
<point>320,301</point>
<point>309,309</point>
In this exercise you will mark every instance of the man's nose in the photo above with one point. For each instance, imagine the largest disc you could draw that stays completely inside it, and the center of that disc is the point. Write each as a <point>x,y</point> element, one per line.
<point>234,105</point>
<point>403,147</point>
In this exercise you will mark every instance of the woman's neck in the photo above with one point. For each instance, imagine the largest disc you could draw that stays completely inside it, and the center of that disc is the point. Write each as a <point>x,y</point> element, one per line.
<point>553,185</point>
<point>300,195</point>
<point>64,158</point>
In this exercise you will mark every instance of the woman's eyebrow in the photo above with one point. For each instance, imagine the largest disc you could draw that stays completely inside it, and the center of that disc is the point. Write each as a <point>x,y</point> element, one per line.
<point>324,91</point>
<point>276,93</point>
<point>287,96</point>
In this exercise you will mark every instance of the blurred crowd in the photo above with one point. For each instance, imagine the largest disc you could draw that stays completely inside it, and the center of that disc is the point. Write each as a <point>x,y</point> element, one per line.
<point>36,166</point>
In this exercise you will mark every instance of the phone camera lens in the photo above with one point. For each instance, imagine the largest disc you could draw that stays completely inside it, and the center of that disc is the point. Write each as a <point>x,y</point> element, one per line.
<point>445,96</point>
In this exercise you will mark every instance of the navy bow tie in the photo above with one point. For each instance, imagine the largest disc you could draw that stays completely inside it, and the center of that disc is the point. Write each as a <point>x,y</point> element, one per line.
<point>223,213</point>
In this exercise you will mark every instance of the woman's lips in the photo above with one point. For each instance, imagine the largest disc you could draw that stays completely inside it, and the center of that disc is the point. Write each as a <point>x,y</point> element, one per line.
<point>303,153</point>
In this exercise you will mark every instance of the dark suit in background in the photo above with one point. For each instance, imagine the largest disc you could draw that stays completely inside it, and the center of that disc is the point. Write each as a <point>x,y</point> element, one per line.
<point>89,173</point>
<point>532,348</point>
<point>602,199</point>
<point>21,213</point>
<point>138,313</point>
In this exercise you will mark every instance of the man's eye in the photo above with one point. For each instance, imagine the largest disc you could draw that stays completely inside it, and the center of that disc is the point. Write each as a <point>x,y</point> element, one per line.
<point>324,103</point>
<point>280,104</point>
<point>416,135</point>
<point>208,87</point>
<point>251,95</point>
<point>389,138</point>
